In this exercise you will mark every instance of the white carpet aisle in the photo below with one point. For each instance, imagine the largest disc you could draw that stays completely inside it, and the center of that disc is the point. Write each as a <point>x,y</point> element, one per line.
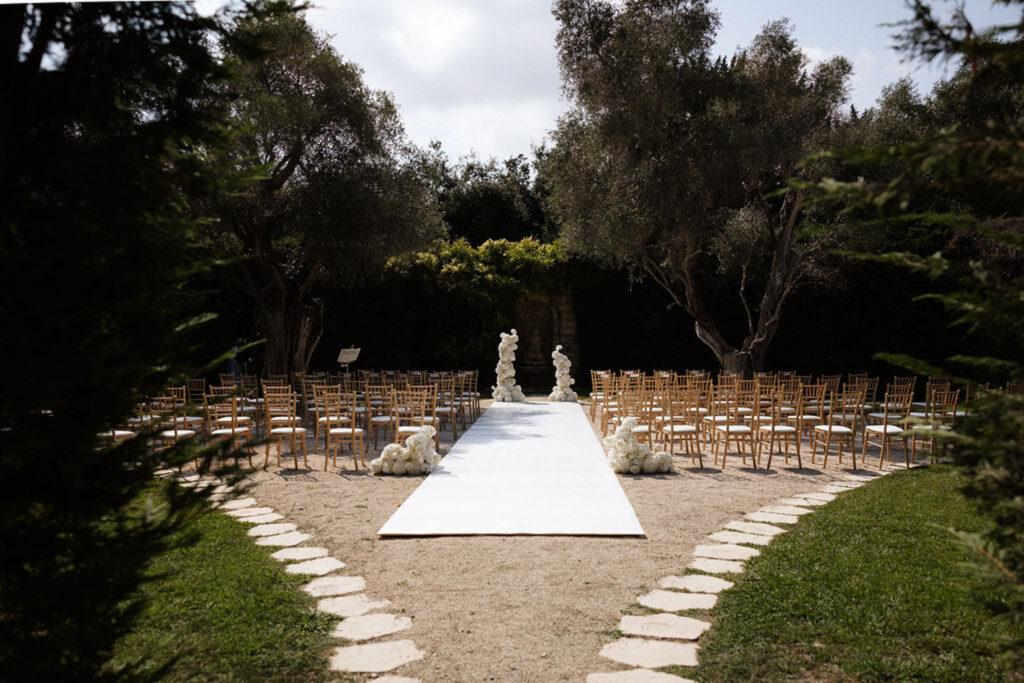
<point>522,468</point>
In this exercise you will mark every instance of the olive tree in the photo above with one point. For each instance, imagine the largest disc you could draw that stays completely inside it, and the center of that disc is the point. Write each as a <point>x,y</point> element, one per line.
<point>340,190</point>
<point>674,164</point>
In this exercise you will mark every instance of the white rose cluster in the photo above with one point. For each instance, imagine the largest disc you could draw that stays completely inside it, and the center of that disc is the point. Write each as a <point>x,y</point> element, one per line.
<point>561,390</point>
<point>507,389</point>
<point>417,456</point>
<point>626,455</point>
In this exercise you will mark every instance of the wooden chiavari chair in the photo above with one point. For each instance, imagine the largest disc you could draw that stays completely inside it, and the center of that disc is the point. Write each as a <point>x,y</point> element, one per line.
<point>738,403</point>
<point>380,411</point>
<point>226,425</point>
<point>895,409</point>
<point>838,428</point>
<point>681,421</point>
<point>340,428</point>
<point>941,413</point>
<point>775,431</point>
<point>284,423</point>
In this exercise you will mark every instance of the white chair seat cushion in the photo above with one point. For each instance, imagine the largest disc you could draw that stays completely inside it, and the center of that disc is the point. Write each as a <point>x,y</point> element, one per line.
<point>641,429</point>
<point>778,429</point>
<point>716,418</point>
<point>188,419</point>
<point>916,413</point>
<point>381,418</point>
<point>283,419</point>
<point>734,429</point>
<point>229,431</point>
<point>117,434</point>
<point>288,430</point>
<point>181,433</point>
<point>408,429</point>
<point>337,431</point>
<point>881,416</point>
<point>227,419</point>
<point>884,429</point>
<point>835,429</point>
<point>334,418</point>
<point>680,429</point>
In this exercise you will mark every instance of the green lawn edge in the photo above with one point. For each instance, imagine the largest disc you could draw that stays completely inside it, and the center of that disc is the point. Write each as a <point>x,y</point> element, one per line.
<point>217,607</point>
<point>870,587</point>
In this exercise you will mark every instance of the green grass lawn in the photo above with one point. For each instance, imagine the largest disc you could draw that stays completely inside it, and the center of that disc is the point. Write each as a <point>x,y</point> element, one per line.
<point>223,609</point>
<point>867,588</point>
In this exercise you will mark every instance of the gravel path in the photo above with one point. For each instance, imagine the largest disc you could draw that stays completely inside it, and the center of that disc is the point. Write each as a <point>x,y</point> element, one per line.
<point>520,608</point>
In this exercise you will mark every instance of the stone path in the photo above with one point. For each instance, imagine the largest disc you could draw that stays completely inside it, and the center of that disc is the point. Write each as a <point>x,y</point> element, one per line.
<point>338,594</point>
<point>666,638</point>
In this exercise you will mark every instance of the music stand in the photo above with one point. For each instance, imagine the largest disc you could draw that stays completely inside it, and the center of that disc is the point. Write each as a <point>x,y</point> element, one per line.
<point>347,356</point>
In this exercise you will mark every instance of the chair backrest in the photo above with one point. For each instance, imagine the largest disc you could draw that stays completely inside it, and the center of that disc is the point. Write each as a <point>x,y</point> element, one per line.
<point>831,383</point>
<point>412,406</point>
<point>196,389</point>
<point>226,378</point>
<point>218,407</point>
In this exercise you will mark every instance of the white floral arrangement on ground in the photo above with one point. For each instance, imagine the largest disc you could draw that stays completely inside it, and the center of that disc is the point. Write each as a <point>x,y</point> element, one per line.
<point>417,456</point>
<point>507,389</point>
<point>561,390</point>
<point>627,455</point>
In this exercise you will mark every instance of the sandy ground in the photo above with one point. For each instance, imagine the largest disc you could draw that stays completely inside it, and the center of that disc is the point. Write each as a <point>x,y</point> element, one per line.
<point>520,608</point>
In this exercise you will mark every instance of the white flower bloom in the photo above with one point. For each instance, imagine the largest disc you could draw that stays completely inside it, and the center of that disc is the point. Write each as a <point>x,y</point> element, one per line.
<point>627,454</point>
<point>416,457</point>
<point>507,389</point>
<point>561,390</point>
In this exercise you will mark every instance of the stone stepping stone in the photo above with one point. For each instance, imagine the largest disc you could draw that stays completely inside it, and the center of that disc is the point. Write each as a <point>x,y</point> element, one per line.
<point>633,676</point>
<point>371,626</point>
<point>335,585</point>
<point>376,657</point>
<point>726,551</point>
<point>860,478</point>
<point>785,510</point>
<point>261,519</point>
<point>663,626</point>
<point>755,528</point>
<point>396,679</point>
<point>846,484</point>
<point>670,601</point>
<point>318,567</point>
<point>704,564</point>
<point>294,554</point>
<point>283,540</point>
<point>738,537</point>
<point>771,518</point>
<point>350,605</point>
<point>238,504</point>
<point>813,502</point>
<point>223,488</point>
<point>272,529</point>
<point>824,497</point>
<point>834,489</point>
<point>249,512</point>
<point>696,583</point>
<point>650,654</point>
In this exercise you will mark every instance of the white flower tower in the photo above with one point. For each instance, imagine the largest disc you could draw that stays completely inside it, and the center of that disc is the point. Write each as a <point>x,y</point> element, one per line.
<point>561,390</point>
<point>507,389</point>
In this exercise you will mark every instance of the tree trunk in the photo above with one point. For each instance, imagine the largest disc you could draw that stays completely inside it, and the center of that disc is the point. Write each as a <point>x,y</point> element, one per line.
<point>293,332</point>
<point>731,359</point>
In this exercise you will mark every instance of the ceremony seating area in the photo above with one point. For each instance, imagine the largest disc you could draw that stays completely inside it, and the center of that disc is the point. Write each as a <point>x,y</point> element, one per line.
<point>777,413</point>
<point>330,412</point>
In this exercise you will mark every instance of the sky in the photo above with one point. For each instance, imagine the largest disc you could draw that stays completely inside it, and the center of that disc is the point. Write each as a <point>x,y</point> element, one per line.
<point>481,76</point>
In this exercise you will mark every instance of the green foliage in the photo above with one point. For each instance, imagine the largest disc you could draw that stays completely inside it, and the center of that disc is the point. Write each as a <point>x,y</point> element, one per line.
<point>671,164</point>
<point>341,188</point>
<point>219,608</point>
<point>102,111</point>
<point>871,587</point>
<point>978,159</point>
<point>484,200</point>
<point>484,284</point>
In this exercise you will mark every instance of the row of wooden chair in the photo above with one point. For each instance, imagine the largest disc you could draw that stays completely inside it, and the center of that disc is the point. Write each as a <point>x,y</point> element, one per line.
<point>754,416</point>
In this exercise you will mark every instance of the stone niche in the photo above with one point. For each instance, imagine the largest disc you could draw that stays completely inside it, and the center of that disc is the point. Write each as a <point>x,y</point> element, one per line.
<point>544,320</point>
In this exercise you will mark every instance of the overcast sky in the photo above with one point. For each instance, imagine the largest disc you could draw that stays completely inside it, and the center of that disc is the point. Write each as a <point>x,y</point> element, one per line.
<point>482,75</point>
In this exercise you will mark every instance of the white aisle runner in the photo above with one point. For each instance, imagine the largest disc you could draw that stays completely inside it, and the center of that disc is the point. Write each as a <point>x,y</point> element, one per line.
<point>522,468</point>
